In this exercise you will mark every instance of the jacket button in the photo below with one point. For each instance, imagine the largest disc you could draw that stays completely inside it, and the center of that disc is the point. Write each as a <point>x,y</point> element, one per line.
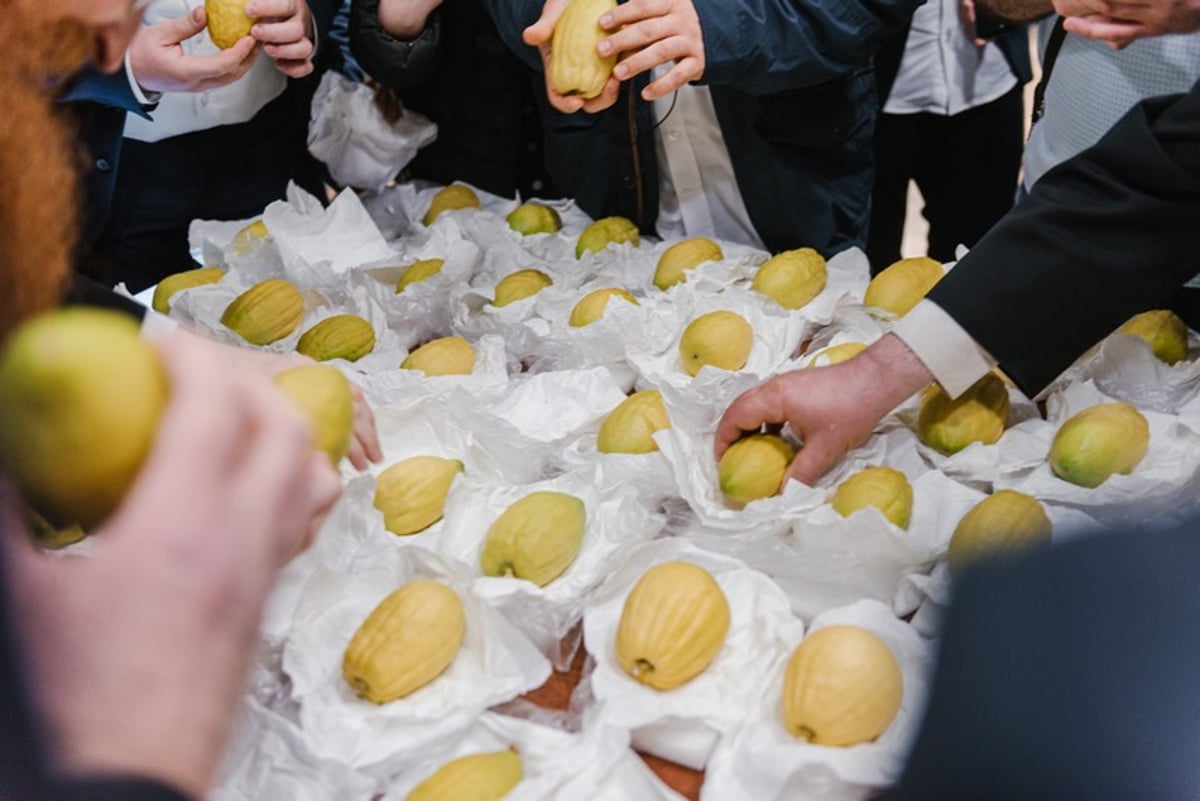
<point>103,165</point>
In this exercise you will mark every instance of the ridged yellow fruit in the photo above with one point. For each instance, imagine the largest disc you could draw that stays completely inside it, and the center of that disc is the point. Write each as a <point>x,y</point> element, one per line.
<point>343,336</point>
<point>478,777</point>
<point>673,625</point>
<point>322,395</point>
<point>575,66</point>
<point>792,278</point>
<point>520,285</point>
<point>445,356</point>
<point>1163,331</point>
<point>902,285</point>
<point>534,218</point>
<point>604,232</point>
<point>537,538</point>
<point>451,198</point>
<point>409,640</point>
<point>81,397</point>
<point>228,22</point>
<point>1003,522</point>
<point>592,306</point>
<point>689,254</point>
<point>754,467</point>
<point>411,494</point>
<point>630,427</point>
<point>722,339</point>
<point>250,237</point>
<point>419,271</point>
<point>1099,441</point>
<point>836,354</point>
<point>266,312</point>
<point>977,415</point>
<point>886,489</point>
<point>843,686</point>
<point>174,284</point>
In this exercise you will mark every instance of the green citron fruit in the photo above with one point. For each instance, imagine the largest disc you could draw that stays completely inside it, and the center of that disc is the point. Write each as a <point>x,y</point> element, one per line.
<point>1003,522</point>
<point>836,354</point>
<point>689,254</point>
<point>250,237</point>
<point>722,339</point>
<point>754,467</point>
<point>630,427</point>
<point>886,489</point>
<point>604,232</point>
<point>478,777</point>
<point>576,68</point>
<point>902,285</point>
<point>451,198</point>
<point>592,306</point>
<point>440,357</point>
<point>520,285</point>
<point>174,284</point>
<point>411,494</point>
<point>977,415</point>
<point>1099,441</point>
<point>419,271</point>
<point>792,278</point>
<point>322,395</point>
<point>81,397</point>
<point>534,218</point>
<point>228,22</point>
<point>537,538</point>
<point>1163,331</point>
<point>266,312</point>
<point>343,336</point>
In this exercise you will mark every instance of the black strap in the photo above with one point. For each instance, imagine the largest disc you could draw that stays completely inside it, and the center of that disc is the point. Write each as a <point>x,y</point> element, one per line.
<point>1051,55</point>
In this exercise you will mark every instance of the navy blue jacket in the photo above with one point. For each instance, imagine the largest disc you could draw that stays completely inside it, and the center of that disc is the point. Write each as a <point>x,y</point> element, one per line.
<point>794,93</point>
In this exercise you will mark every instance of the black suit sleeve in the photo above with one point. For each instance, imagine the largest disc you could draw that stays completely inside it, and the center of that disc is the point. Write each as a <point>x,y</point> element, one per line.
<point>394,63</point>
<point>1106,235</point>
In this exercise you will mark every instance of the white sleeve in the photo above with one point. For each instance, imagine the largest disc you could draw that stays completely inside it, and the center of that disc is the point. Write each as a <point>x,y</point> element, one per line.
<point>141,96</point>
<point>956,360</point>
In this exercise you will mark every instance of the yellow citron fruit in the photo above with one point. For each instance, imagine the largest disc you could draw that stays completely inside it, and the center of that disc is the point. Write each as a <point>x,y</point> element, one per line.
<point>672,626</point>
<point>411,494</point>
<point>1003,522</point>
<point>520,285</point>
<point>1163,331</point>
<point>1099,441</point>
<point>836,354</point>
<point>721,339</point>
<point>754,467</point>
<point>419,271</point>
<point>343,336</point>
<point>445,356</point>
<point>537,538</point>
<point>604,232</point>
<point>977,415</point>
<point>478,777</point>
<point>409,640</point>
<point>534,218</point>
<point>266,312</point>
<point>886,489</point>
<point>630,427</point>
<point>902,285</point>
<point>322,395</point>
<point>81,397</point>
<point>227,21</point>
<point>792,278</point>
<point>843,686</point>
<point>174,284</point>
<point>576,68</point>
<point>592,306</point>
<point>689,254</point>
<point>246,239</point>
<point>451,198</point>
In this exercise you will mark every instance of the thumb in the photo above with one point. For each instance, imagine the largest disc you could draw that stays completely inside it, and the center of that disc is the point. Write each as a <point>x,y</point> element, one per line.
<point>542,31</point>
<point>812,461</point>
<point>183,28</point>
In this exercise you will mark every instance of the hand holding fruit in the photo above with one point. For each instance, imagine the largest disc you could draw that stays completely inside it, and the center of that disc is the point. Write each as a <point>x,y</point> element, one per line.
<point>542,35</point>
<point>405,19</point>
<point>650,33</point>
<point>159,64</point>
<point>287,32</point>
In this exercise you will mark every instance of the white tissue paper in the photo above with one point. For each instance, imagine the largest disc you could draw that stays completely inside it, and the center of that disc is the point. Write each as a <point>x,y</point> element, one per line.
<point>848,274</point>
<point>320,248</point>
<point>649,474</point>
<point>489,376</point>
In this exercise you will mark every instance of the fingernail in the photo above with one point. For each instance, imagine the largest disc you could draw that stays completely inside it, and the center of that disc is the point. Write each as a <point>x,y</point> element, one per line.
<point>606,20</point>
<point>620,71</point>
<point>605,47</point>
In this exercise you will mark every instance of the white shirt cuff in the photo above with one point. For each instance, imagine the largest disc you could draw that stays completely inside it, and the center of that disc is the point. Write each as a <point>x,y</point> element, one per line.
<point>143,98</point>
<point>157,326</point>
<point>955,359</point>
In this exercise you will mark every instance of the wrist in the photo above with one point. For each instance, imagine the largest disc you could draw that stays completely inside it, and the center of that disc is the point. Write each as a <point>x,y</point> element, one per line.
<point>892,373</point>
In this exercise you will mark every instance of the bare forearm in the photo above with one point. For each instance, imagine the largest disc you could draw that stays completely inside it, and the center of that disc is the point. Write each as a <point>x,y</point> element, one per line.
<point>405,19</point>
<point>1017,10</point>
<point>892,373</point>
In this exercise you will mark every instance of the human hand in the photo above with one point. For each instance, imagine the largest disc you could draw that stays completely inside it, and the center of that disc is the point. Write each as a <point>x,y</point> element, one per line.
<point>830,409</point>
<point>969,17</point>
<point>405,19</point>
<point>650,33</point>
<point>1121,22</point>
<point>541,35</point>
<point>159,64</point>
<point>139,652</point>
<point>287,32</point>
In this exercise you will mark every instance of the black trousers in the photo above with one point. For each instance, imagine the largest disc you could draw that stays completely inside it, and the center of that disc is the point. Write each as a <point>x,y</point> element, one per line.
<point>966,167</point>
<point>225,173</point>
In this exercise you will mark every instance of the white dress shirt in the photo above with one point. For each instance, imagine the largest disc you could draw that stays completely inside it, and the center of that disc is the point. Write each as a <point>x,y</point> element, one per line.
<point>956,360</point>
